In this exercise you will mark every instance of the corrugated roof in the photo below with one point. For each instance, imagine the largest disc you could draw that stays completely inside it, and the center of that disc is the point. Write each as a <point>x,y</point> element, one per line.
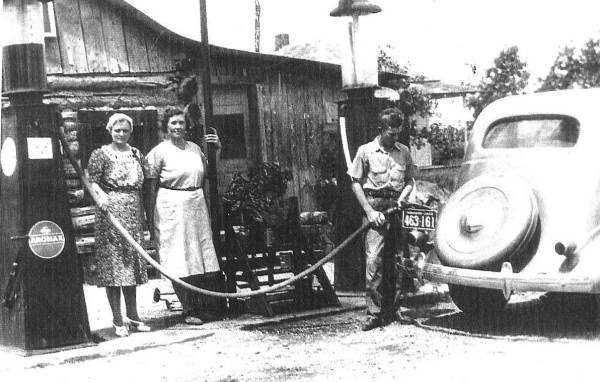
<point>440,88</point>
<point>321,51</point>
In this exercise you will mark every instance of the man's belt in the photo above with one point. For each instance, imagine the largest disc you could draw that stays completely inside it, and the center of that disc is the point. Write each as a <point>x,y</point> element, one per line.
<point>390,194</point>
<point>179,189</point>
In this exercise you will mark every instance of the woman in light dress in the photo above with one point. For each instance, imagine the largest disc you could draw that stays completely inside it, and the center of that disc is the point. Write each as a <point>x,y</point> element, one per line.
<point>177,207</point>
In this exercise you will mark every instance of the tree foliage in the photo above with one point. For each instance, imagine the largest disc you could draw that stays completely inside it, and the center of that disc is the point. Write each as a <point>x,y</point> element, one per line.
<point>575,68</point>
<point>386,63</point>
<point>413,101</point>
<point>447,142</point>
<point>508,76</point>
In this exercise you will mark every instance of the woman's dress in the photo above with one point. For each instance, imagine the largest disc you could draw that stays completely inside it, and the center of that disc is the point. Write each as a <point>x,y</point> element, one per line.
<point>121,176</point>
<point>181,219</point>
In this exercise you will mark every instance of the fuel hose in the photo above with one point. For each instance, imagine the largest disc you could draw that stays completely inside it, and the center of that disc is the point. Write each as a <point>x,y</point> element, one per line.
<point>117,224</point>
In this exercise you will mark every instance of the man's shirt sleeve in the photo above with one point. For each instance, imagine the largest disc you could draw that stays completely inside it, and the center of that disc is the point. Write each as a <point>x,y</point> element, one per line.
<point>358,168</point>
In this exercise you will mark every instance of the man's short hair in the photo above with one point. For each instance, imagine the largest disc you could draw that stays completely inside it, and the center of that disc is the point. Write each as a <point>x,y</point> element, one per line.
<point>390,117</point>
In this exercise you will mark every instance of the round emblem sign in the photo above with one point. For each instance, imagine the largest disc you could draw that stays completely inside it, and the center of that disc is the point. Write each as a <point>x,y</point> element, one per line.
<point>46,239</point>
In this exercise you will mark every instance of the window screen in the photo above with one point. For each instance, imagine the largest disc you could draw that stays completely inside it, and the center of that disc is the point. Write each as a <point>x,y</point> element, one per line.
<point>554,131</point>
<point>230,128</point>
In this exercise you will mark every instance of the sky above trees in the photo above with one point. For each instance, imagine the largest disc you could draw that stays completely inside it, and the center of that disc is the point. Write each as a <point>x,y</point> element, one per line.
<point>442,39</point>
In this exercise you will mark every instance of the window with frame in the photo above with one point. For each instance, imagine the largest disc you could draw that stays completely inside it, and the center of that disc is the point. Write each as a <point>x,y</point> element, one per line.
<point>49,20</point>
<point>532,132</point>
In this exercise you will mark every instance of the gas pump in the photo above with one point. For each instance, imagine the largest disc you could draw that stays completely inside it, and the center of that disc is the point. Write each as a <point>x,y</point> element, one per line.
<point>358,121</point>
<point>42,303</point>
<point>358,114</point>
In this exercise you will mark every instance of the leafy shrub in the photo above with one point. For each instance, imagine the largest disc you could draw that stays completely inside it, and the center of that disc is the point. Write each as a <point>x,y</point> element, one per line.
<point>257,194</point>
<point>447,143</point>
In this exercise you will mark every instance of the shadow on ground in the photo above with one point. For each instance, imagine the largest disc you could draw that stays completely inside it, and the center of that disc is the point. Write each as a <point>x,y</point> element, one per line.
<point>549,316</point>
<point>546,316</point>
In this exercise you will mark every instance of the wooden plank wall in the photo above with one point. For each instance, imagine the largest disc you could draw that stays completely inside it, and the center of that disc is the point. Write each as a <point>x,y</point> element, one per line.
<point>113,31</point>
<point>95,37</point>
<point>293,119</point>
<point>290,114</point>
<point>70,37</point>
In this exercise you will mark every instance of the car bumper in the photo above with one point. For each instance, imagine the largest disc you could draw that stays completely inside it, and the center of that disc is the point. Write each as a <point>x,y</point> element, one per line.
<point>508,282</point>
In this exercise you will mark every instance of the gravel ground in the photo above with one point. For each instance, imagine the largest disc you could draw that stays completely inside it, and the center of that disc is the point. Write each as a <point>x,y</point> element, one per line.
<point>442,345</point>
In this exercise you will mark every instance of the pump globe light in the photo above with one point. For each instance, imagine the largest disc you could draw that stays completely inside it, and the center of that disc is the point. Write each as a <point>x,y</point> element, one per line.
<point>359,50</point>
<point>354,7</point>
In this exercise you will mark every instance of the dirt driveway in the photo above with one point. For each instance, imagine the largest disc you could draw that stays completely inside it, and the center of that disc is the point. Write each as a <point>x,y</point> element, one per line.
<point>536,339</point>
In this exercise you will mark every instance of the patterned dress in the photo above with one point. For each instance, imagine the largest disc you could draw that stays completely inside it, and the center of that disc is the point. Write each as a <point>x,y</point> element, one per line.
<point>121,176</point>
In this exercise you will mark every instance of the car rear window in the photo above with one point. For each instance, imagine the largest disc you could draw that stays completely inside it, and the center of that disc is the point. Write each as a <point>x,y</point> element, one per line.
<point>530,132</point>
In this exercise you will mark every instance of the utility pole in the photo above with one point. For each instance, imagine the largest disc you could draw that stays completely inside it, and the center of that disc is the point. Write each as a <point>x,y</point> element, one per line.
<point>208,123</point>
<point>257,26</point>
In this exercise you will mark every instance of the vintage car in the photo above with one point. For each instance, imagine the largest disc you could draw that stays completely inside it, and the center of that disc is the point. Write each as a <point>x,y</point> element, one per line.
<point>526,214</point>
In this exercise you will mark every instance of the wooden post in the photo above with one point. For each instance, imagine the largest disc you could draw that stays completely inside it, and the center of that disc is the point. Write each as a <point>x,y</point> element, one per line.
<point>208,122</point>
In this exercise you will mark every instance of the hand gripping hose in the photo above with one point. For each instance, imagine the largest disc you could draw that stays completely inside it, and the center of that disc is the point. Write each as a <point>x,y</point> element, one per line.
<point>115,222</point>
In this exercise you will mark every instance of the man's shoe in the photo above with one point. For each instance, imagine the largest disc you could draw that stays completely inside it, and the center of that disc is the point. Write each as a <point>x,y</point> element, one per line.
<point>372,323</point>
<point>397,317</point>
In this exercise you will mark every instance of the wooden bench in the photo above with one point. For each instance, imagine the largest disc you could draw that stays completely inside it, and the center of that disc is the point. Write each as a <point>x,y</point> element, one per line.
<point>250,264</point>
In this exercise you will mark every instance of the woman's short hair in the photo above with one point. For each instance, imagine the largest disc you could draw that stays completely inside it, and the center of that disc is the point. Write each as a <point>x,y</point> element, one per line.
<point>169,112</point>
<point>390,117</point>
<point>116,118</point>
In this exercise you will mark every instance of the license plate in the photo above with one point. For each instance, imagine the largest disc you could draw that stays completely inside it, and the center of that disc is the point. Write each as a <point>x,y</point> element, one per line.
<point>419,219</point>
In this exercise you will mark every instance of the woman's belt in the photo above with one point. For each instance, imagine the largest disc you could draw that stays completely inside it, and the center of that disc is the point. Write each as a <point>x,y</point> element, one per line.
<point>390,194</point>
<point>107,188</point>
<point>179,189</point>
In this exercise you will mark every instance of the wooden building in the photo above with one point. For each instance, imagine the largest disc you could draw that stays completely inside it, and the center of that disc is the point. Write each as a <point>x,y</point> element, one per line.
<point>103,55</point>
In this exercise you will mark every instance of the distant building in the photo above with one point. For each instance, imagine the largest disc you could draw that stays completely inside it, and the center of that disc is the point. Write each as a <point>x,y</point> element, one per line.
<point>449,109</point>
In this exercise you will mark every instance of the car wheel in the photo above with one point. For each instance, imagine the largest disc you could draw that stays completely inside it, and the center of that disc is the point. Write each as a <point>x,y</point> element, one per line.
<point>477,301</point>
<point>490,219</point>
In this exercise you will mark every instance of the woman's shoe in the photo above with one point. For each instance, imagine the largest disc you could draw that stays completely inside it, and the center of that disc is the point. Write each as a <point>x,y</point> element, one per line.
<point>121,331</point>
<point>191,320</point>
<point>137,326</point>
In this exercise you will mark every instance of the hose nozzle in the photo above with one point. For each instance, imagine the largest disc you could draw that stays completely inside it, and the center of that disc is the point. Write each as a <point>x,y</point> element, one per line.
<point>565,248</point>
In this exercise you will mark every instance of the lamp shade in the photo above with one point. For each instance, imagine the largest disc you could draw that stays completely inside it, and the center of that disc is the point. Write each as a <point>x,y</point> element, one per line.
<point>354,7</point>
